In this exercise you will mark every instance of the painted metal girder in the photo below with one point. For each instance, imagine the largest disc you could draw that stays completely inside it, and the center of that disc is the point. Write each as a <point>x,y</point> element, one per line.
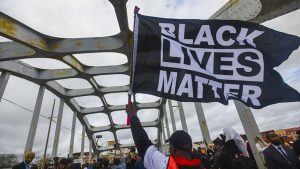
<point>23,34</point>
<point>29,43</point>
<point>257,11</point>
<point>241,9</point>
<point>275,8</point>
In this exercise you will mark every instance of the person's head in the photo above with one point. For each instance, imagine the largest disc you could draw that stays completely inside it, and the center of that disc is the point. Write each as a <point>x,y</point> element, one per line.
<point>273,138</point>
<point>63,163</point>
<point>105,162</point>
<point>256,139</point>
<point>194,151</point>
<point>70,162</point>
<point>223,137</point>
<point>86,160</point>
<point>56,160</point>
<point>211,146</point>
<point>203,151</point>
<point>180,143</point>
<point>74,166</point>
<point>199,150</point>
<point>97,165</point>
<point>132,149</point>
<point>29,156</point>
<point>116,161</point>
<point>230,134</point>
<point>218,143</point>
<point>298,133</point>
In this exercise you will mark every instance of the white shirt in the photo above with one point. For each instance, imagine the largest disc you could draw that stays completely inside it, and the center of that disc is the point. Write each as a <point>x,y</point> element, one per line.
<point>259,148</point>
<point>154,159</point>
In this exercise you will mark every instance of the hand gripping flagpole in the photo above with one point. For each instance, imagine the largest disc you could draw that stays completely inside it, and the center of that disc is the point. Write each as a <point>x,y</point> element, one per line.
<point>131,69</point>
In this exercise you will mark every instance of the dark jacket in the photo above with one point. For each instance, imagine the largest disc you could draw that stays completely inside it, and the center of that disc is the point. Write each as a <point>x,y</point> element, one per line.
<point>216,161</point>
<point>205,161</point>
<point>296,147</point>
<point>140,137</point>
<point>275,160</point>
<point>228,153</point>
<point>20,166</point>
<point>138,165</point>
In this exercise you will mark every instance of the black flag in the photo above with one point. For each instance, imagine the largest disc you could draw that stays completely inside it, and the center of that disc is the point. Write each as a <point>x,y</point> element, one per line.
<point>211,61</point>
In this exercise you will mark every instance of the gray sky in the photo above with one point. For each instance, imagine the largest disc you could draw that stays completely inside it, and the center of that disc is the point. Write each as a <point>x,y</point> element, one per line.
<point>95,18</point>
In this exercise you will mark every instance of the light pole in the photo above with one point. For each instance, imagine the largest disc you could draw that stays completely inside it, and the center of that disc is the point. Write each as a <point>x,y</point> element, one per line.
<point>98,136</point>
<point>45,151</point>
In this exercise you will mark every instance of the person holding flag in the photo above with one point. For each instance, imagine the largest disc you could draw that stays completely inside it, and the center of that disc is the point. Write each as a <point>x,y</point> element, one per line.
<point>180,147</point>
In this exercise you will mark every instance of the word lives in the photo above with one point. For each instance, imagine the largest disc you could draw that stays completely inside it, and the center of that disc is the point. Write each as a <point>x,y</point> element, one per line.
<point>227,67</point>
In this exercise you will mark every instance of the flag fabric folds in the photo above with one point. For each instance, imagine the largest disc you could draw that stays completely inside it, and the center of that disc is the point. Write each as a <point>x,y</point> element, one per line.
<point>211,61</point>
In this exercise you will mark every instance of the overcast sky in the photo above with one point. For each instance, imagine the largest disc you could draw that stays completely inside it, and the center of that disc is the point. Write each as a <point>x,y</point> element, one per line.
<point>95,18</point>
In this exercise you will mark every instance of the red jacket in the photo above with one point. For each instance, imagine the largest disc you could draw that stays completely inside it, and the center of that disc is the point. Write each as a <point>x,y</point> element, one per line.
<point>176,162</point>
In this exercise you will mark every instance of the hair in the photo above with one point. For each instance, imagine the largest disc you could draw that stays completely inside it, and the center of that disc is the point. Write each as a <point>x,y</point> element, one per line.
<point>64,161</point>
<point>218,141</point>
<point>74,166</point>
<point>268,135</point>
<point>116,161</point>
<point>210,146</point>
<point>70,160</point>
<point>132,149</point>
<point>203,150</point>
<point>27,153</point>
<point>56,159</point>
<point>105,162</point>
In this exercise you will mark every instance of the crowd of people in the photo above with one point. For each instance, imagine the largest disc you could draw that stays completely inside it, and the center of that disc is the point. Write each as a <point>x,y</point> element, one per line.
<point>127,160</point>
<point>229,151</point>
<point>226,151</point>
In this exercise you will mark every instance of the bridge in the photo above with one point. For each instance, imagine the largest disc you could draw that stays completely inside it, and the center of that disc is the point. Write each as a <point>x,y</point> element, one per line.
<point>28,43</point>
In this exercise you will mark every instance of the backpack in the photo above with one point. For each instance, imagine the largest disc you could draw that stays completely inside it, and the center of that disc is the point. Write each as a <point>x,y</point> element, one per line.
<point>242,162</point>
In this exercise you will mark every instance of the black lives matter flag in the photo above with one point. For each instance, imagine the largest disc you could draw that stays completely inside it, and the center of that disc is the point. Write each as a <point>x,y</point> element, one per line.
<point>211,61</point>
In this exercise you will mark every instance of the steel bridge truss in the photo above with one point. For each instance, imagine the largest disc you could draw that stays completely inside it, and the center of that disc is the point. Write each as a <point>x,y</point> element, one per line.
<point>29,43</point>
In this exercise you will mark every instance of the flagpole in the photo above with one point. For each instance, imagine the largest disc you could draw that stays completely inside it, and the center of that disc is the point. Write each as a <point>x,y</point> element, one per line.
<point>130,93</point>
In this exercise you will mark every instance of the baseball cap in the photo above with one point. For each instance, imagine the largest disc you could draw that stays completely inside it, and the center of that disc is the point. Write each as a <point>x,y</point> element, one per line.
<point>181,140</point>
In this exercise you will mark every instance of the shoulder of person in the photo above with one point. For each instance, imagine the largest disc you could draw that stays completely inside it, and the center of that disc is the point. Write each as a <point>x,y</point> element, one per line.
<point>296,143</point>
<point>287,147</point>
<point>19,166</point>
<point>225,153</point>
<point>269,149</point>
<point>16,166</point>
<point>154,158</point>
